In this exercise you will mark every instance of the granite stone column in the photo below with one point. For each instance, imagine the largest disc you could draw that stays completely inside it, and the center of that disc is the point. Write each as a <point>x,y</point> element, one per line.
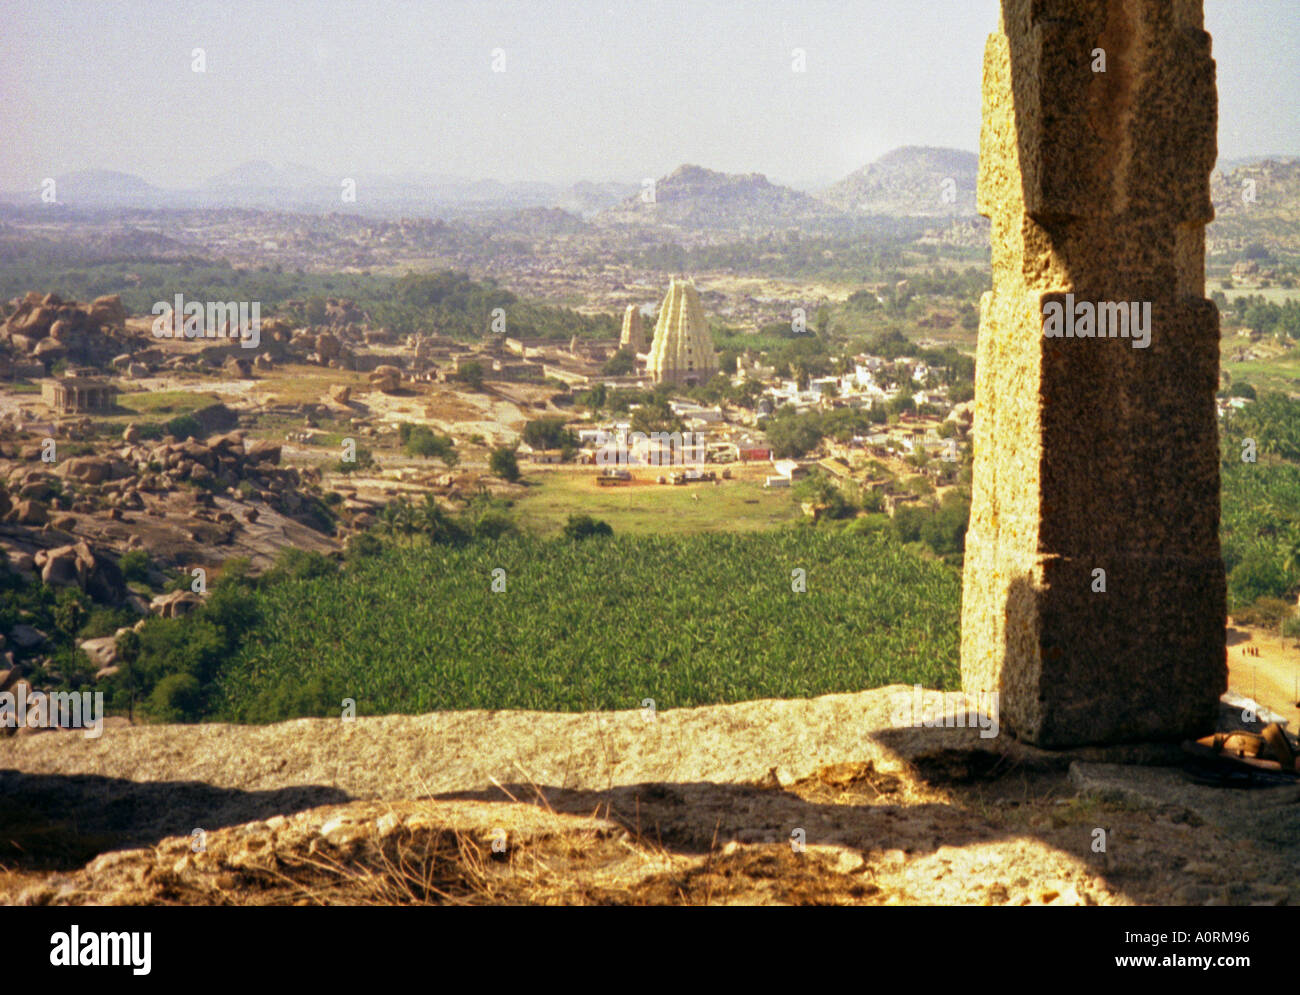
<point>1094,595</point>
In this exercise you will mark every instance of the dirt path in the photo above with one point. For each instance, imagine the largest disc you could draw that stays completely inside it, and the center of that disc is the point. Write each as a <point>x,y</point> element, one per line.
<point>1271,677</point>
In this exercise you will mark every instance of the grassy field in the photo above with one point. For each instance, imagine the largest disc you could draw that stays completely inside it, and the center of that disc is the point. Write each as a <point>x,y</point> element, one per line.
<point>1278,372</point>
<point>164,402</point>
<point>647,508</point>
<point>602,624</point>
<point>1274,294</point>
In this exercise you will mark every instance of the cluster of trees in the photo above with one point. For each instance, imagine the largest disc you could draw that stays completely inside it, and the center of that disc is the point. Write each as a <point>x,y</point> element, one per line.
<point>447,302</point>
<point>454,304</point>
<point>796,434</point>
<point>420,440</point>
<point>793,435</point>
<point>938,524</point>
<point>1254,312</point>
<point>550,433</point>
<point>1260,519</point>
<point>941,526</point>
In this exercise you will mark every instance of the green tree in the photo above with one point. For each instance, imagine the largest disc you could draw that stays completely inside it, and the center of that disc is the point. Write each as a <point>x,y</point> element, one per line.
<point>420,440</point>
<point>549,433</point>
<point>504,463</point>
<point>619,364</point>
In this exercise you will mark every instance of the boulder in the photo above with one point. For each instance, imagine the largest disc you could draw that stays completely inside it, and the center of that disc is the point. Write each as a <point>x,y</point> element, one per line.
<point>26,637</point>
<point>36,323</point>
<point>386,379</point>
<point>30,513</point>
<point>131,434</point>
<point>175,604</point>
<point>102,652</point>
<point>340,393</point>
<point>98,576</point>
<point>20,562</point>
<point>108,310</point>
<point>137,371</point>
<point>36,488</point>
<point>263,451</point>
<point>230,442</point>
<point>327,347</point>
<point>88,469</point>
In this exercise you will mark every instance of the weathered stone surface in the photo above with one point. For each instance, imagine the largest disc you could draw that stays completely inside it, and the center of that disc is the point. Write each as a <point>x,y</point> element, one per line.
<point>1091,454</point>
<point>30,513</point>
<point>102,651</point>
<point>263,451</point>
<point>682,350</point>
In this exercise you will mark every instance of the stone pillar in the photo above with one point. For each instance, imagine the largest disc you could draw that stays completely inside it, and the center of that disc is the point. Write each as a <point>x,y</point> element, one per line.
<point>1094,593</point>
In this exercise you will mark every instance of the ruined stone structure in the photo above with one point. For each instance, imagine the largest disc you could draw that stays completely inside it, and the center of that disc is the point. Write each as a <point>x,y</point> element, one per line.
<point>633,337</point>
<point>1094,592</point>
<point>78,395</point>
<point>682,350</point>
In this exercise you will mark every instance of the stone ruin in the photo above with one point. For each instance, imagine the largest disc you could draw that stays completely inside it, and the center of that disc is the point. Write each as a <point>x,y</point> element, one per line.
<point>1094,592</point>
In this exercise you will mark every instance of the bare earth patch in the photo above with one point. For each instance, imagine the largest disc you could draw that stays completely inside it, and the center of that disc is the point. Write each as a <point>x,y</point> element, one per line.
<point>832,800</point>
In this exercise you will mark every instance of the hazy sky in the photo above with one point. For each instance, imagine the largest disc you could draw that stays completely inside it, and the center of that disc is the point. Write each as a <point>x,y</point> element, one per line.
<point>590,90</point>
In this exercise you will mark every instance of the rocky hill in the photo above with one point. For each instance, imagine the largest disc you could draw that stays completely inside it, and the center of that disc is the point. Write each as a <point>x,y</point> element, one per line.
<point>702,199</point>
<point>44,329</point>
<point>911,181</point>
<point>1258,202</point>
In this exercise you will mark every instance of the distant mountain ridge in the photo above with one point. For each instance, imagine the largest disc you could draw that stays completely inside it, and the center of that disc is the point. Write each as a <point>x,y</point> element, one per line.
<point>910,182</point>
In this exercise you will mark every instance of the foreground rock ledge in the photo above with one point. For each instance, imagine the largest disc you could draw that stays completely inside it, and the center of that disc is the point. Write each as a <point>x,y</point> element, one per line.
<point>1094,591</point>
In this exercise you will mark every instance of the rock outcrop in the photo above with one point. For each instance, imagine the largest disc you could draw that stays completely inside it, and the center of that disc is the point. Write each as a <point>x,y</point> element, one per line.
<point>46,328</point>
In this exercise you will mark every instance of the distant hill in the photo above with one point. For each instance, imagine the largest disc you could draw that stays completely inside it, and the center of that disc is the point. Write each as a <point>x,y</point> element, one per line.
<point>911,182</point>
<point>1272,219</point>
<point>102,187</point>
<point>703,199</point>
